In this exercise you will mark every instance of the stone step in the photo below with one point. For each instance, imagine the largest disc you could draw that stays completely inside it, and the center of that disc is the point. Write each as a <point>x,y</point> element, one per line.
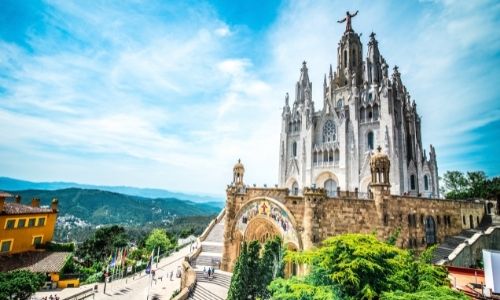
<point>220,279</point>
<point>209,261</point>
<point>211,248</point>
<point>201,293</point>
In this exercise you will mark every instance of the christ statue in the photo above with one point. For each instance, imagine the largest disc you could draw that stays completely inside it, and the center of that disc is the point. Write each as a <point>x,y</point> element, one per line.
<point>347,19</point>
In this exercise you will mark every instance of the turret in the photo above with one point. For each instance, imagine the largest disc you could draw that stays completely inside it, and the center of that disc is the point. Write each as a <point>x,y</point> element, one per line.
<point>373,62</point>
<point>303,91</point>
<point>349,58</point>
<point>238,172</point>
<point>380,186</point>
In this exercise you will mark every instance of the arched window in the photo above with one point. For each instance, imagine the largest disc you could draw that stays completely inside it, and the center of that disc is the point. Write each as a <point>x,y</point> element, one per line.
<point>315,157</point>
<point>331,187</point>
<point>463,220</point>
<point>295,188</point>
<point>369,114</point>
<point>362,114</point>
<point>294,149</point>
<point>370,140</point>
<point>430,231</point>
<point>412,182</point>
<point>489,207</point>
<point>340,103</point>
<point>330,156</point>
<point>375,112</point>
<point>329,132</point>
<point>471,221</point>
<point>337,156</point>
<point>353,57</point>
<point>426,182</point>
<point>345,58</point>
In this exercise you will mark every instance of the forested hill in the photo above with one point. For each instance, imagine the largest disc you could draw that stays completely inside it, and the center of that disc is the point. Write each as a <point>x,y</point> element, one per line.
<point>103,207</point>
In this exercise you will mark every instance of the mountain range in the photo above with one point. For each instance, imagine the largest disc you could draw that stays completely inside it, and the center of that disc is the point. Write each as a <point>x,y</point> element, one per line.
<point>97,207</point>
<point>11,184</point>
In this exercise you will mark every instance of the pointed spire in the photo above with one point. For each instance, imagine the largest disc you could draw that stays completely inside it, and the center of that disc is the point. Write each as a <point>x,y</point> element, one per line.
<point>331,72</point>
<point>304,76</point>
<point>286,100</point>
<point>324,81</point>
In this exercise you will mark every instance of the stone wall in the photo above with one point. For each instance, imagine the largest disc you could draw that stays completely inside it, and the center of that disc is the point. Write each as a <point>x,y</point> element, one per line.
<point>318,217</point>
<point>470,253</point>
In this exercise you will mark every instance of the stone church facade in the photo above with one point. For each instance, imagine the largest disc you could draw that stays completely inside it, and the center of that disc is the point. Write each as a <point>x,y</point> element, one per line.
<point>363,107</point>
<point>332,181</point>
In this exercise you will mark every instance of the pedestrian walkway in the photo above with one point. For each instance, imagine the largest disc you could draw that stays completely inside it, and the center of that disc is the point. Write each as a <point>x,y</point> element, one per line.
<point>134,287</point>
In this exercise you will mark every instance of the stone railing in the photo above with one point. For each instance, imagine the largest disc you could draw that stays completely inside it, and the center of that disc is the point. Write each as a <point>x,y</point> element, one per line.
<point>211,225</point>
<point>188,275</point>
<point>468,252</point>
<point>188,281</point>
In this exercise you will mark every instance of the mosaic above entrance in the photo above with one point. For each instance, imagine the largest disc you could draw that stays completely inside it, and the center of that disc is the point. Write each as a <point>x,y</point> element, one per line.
<point>274,213</point>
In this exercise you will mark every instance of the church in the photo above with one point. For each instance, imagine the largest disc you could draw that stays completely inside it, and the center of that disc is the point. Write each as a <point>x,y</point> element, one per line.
<point>355,166</point>
<point>363,107</point>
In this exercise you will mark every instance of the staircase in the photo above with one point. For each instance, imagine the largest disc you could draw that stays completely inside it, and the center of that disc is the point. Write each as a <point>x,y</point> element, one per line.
<point>220,279</point>
<point>202,293</point>
<point>211,248</point>
<point>450,243</point>
<point>214,288</point>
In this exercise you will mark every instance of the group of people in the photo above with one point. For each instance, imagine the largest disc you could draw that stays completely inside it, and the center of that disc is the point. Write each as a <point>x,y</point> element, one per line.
<point>51,297</point>
<point>208,272</point>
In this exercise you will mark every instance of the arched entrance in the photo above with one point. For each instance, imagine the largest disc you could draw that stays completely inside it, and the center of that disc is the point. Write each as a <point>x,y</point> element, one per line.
<point>263,218</point>
<point>430,231</point>
<point>260,229</point>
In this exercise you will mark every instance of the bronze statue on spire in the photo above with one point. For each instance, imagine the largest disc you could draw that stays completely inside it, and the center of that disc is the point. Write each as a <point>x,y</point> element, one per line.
<point>347,19</point>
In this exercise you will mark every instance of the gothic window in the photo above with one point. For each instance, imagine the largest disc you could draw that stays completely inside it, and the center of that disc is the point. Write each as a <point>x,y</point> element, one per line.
<point>315,157</point>
<point>331,187</point>
<point>329,132</point>
<point>340,103</point>
<point>345,58</point>
<point>353,57</point>
<point>337,156</point>
<point>362,114</point>
<point>375,112</point>
<point>295,188</point>
<point>325,156</point>
<point>426,182</point>
<point>369,114</point>
<point>330,156</point>
<point>370,140</point>
<point>412,182</point>
<point>294,149</point>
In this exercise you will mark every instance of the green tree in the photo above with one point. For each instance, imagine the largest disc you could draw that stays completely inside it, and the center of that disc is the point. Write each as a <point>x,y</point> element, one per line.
<point>253,276</point>
<point>101,244</point>
<point>356,266</point>
<point>238,286</point>
<point>19,284</point>
<point>158,238</point>
<point>271,265</point>
<point>455,185</point>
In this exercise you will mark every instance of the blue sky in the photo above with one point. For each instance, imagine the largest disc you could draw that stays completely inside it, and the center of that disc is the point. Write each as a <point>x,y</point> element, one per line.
<point>170,94</point>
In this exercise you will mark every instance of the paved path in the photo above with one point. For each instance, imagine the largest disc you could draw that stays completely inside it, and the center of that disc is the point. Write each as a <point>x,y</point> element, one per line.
<point>134,288</point>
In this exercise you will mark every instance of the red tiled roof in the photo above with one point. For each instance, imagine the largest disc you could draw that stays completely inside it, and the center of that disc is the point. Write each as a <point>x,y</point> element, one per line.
<point>35,261</point>
<point>12,208</point>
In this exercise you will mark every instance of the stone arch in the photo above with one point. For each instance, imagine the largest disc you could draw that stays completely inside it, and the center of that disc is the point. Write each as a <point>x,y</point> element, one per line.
<point>324,176</point>
<point>290,181</point>
<point>283,220</point>
<point>364,183</point>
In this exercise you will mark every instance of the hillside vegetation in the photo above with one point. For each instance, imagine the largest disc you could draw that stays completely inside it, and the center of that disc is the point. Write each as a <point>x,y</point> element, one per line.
<point>101,207</point>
